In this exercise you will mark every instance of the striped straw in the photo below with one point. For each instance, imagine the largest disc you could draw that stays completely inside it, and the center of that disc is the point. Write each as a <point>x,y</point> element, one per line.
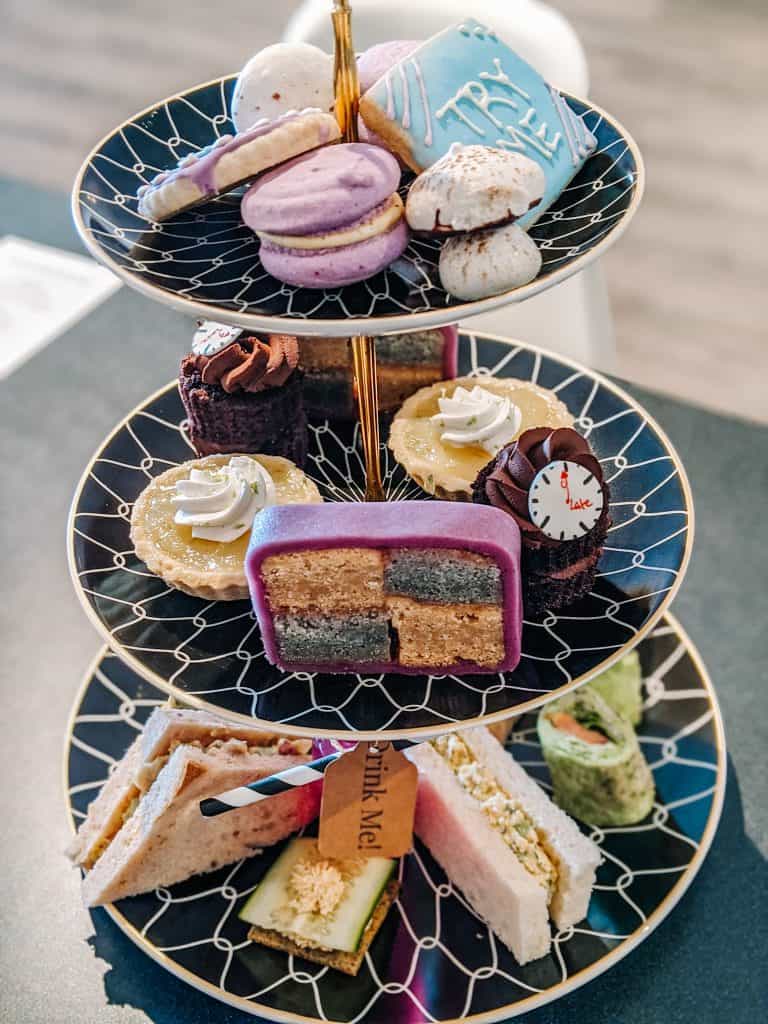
<point>272,785</point>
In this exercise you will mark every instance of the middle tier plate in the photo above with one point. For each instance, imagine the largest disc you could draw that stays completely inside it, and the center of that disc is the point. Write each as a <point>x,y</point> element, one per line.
<point>209,654</point>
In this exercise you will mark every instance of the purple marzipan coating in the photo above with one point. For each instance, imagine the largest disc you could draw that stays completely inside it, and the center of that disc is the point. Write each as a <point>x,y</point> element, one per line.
<point>378,59</point>
<point>396,524</point>
<point>334,267</point>
<point>322,190</point>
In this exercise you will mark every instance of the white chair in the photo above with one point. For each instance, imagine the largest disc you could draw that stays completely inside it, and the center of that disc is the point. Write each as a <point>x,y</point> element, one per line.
<point>573,318</point>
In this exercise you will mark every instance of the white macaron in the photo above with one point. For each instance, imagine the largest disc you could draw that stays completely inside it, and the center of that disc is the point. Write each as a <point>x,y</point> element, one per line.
<point>283,77</point>
<point>487,263</point>
<point>472,188</point>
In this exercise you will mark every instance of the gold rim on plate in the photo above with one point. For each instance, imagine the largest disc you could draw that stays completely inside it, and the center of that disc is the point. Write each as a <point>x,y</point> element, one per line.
<point>418,731</point>
<point>562,988</point>
<point>354,325</point>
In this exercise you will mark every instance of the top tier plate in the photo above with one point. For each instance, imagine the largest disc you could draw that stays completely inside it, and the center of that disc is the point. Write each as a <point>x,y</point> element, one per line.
<point>205,262</point>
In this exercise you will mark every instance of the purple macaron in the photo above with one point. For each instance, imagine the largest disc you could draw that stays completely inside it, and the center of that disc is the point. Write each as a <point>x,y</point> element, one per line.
<point>330,217</point>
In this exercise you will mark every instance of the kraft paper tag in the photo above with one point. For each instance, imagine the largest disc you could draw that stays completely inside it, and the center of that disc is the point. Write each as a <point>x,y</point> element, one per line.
<point>369,800</point>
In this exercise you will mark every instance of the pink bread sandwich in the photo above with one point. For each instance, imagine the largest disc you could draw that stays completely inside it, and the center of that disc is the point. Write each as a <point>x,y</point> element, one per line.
<point>145,828</point>
<point>516,857</point>
<point>408,586</point>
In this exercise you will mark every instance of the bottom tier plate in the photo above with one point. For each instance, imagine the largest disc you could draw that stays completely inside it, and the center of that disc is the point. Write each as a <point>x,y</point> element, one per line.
<point>434,960</point>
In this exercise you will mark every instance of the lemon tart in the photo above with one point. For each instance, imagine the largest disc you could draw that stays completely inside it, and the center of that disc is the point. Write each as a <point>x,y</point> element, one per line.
<point>444,434</point>
<point>192,523</point>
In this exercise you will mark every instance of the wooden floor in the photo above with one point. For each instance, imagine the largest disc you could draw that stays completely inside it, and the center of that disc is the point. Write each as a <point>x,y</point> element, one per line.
<point>688,282</point>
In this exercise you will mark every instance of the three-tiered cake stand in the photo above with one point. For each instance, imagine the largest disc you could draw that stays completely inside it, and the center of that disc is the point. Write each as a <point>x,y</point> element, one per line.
<point>434,960</point>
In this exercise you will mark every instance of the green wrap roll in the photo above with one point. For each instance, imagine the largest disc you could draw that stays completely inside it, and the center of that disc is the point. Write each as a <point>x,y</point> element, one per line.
<point>621,687</point>
<point>606,783</point>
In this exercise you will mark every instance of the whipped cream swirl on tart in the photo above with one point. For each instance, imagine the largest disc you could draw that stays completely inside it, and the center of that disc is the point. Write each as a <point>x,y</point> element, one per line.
<point>478,417</point>
<point>221,504</point>
<point>191,524</point>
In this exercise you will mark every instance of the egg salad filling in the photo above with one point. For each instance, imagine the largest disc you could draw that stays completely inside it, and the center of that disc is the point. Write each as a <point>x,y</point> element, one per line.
<point>316,888</point>
<point>505,814</point>
<point>149,771</point>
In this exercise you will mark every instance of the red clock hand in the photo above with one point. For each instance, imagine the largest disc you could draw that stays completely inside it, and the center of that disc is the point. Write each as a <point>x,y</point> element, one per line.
<point>564,484</point>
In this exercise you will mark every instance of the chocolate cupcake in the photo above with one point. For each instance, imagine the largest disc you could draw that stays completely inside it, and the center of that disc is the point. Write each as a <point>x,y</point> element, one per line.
<point>552,485</point>
<point>244,394</point>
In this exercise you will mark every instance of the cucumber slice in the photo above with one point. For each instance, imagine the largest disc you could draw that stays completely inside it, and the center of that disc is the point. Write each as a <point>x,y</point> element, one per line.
<point>344,929</point>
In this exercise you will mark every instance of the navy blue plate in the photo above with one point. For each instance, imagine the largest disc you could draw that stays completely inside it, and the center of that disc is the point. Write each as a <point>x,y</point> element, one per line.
<point>210,653</point>
<point>433,960</point>
<point>205,262</point>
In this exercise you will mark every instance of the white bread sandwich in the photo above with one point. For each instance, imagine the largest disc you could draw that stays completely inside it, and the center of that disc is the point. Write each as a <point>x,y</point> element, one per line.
<point>516,857</point>
<point>145,828</point>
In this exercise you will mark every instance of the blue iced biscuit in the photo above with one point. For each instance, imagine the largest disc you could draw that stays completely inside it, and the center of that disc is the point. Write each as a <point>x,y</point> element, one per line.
<point>465,85</point>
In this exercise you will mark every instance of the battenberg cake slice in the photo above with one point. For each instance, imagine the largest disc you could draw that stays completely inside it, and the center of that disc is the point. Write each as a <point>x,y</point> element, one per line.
<point>411,587</point>
<point>405,363</point>
<point>466,86</point>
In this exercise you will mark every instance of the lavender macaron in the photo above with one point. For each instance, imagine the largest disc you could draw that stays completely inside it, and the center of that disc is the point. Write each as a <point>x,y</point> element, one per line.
<point>329,218</point>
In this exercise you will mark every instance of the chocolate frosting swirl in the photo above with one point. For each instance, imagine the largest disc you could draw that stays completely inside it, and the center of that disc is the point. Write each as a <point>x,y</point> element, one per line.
<point>249,364</point>
<point>511,475</point>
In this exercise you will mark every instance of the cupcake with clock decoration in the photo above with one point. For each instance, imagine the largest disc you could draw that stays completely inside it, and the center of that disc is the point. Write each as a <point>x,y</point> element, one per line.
<point>243,393</point>
<point>444,434</point>
<point>552,484</point>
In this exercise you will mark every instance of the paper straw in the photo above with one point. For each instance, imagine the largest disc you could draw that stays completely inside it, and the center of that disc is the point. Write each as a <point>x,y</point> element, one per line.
<point>272,785</point>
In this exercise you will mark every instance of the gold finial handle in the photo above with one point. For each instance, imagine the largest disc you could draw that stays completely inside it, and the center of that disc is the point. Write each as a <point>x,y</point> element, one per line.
<point>347,92</point>
<point>345,83</point>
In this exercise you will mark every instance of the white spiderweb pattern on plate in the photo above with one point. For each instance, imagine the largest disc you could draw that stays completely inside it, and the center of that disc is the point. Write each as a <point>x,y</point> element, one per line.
<point>208,255</point>
<point>445,963</point>
<point>212,651</point>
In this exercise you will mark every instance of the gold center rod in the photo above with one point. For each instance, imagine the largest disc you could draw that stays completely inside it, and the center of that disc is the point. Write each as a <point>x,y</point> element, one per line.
<point>366,387</point>
<point>345,84</point>
<point>347,92</point>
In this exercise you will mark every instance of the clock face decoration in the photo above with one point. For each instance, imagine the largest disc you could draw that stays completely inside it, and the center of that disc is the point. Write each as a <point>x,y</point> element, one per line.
<point>565,500</point>
<point>211,337</point>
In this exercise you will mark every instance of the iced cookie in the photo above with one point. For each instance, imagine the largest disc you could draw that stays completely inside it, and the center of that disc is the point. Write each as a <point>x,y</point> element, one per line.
<point>378,59</point>
<point>283,77</point>
<point>371,65</point>
<point>234,159</point>
<point>465,85</point>
<point>191,524</point>
<point>473,187</point>
<point>444,435</point>
<point>484,263</point>
<point>329,218</point>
